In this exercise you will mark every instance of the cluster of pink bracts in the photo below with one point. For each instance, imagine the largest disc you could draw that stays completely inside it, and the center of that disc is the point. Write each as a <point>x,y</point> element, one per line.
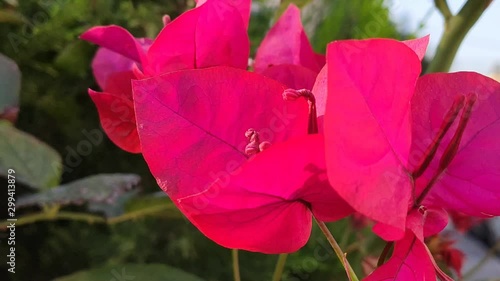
<point>251,156</point>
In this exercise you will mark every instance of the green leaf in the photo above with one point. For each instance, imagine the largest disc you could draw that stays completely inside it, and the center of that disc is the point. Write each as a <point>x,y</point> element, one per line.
<point>102,188</point>
<point>113,210</point>
<point>73,59</point>
<point>10,84</point>
<point>327,21</point>
<point>131,272</point>
<point>35,163</point>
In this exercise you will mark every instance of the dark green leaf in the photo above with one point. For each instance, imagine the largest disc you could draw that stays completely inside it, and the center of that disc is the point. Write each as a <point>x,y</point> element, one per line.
<point>131,272</point>
<point>103,188</point>
<point>34,162</point>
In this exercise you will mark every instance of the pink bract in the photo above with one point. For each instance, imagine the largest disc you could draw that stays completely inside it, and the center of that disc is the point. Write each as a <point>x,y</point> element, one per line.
<point>411,261</point>
<point>189,115</point>
<point>287,48</point>
<point>113,72</point>
<point>192,128</point>
<point>410,143</point>
<point>212,34</point>
<point>243,6</point>
<point>367,126</point>
<point>419,46</point>
<point>267,205</point>
<point>471,182</point>
<point>185,43</point>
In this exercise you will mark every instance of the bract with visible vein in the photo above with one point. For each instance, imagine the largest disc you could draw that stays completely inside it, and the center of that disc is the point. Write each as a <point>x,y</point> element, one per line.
<point>267,205</point>
<point>287,44</point>
<point>367,126</point>
<point>419,46</point>
<point>187,116</point>
<point>471,182</point>
<point>410,261</point>
<point>185,43</point>
<point>113,72</point>
<point>190,115</point>
<point>244,6</point>
<point>212,34</point>
<point>116,39</point>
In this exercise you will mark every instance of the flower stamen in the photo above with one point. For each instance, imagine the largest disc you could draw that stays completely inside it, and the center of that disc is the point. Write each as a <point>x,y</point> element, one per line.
<point>452,148</point>
<point>254,145</point>
<point>293,95</point>
<point>429,154</point>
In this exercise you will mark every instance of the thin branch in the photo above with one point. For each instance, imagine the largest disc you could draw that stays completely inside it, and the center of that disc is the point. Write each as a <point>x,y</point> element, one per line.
<point>455,32</point>
<point>444,9</point>
<point>338,251</point>
<point>144,212</point>
<point>49,215</point>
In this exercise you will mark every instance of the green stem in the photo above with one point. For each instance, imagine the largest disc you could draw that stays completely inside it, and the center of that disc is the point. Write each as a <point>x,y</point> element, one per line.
<point>48,216</point>
<point>145,212</point>
<point>442,6</point>
<point>338,251</point>
<point>280,266</point>
<point>236,265</point>
<point>456,28</point>
<point>51,215</point>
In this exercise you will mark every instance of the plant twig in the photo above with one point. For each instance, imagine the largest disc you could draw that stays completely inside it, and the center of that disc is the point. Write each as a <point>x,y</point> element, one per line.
<point>51,215</point>
<point>280,266</point>
<point>338,251</point>
<point>457,28</point>
<point>444,9</point>
<point>144,212</point>
<point>48,216</point>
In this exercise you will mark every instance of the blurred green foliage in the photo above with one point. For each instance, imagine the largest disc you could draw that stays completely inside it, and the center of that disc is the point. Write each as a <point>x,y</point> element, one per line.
<point>42,37</point>
<point>354,19</point>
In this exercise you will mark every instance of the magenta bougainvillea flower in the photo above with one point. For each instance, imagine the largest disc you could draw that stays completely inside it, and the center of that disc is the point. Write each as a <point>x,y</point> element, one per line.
<point>402,149</point>
<point>113,72</point>
<point>286,54</point>
<point>213,33</point>
<point>235,157</point>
